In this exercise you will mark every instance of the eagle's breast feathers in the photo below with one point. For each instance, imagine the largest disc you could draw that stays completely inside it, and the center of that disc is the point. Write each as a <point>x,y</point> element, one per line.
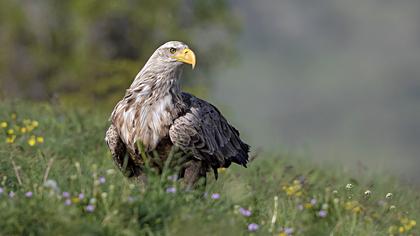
<point>143,119</point>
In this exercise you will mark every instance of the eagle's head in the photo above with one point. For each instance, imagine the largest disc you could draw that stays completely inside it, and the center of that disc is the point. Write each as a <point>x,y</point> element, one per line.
<point>172,55</point>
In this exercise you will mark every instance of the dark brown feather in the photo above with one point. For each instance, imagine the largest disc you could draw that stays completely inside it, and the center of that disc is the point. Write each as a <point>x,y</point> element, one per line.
<point>202,130</point>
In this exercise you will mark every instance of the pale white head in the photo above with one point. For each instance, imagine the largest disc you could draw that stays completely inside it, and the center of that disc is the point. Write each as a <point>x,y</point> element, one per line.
<point>173,54</point>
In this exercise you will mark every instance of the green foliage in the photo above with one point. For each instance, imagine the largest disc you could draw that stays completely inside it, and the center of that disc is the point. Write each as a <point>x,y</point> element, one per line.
<point>90,51</point>
<point>280,193</point>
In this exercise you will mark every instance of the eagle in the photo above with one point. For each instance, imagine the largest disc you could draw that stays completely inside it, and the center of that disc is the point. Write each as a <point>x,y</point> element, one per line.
<point>158,114</point>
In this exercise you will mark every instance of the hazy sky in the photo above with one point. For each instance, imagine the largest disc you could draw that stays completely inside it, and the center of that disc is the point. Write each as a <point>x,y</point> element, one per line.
<point>337,79</point>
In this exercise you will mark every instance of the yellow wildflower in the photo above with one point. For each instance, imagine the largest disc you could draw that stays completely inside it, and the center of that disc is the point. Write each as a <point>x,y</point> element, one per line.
<point>407,223</point>
<point>308,205</point>
<point>221,170</point>
<point>356,210</point>
<point>10,131</point>
<point>32,141</point>
<point>282,234</point>
<point>353,206</point>
<point>293,190</point>
<point>40,139</point>
<point>11,139</point>
<point>29,128</point>
<point>3,124</point>
<point>349,205</point>
<point>35,123</point>
<point>23,130</point>
<point>75,200</point>
<point>401,229</point>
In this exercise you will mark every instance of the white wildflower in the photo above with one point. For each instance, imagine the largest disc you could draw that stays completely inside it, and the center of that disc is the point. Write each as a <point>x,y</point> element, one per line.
<point>52,184</point>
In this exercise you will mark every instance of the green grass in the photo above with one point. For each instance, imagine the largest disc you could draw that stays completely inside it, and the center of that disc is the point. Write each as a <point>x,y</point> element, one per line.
<point>276,189</point>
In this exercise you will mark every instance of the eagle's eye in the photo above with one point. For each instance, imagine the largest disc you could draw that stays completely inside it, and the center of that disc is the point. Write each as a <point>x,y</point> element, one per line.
<point>172,50</point>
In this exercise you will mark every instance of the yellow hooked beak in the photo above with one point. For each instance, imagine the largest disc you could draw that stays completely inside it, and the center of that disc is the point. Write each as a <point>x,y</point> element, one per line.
<point>186,56</point>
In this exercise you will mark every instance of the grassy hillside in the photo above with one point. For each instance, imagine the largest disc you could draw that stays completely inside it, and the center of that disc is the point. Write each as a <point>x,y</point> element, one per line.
<point>57,178</point>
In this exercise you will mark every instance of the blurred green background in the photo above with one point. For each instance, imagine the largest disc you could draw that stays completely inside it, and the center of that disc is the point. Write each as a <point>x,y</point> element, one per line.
<point>86,52</point>
<point>328,79</point>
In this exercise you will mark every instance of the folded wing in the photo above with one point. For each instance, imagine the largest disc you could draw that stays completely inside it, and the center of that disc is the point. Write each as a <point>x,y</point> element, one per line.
<point>202,130</point>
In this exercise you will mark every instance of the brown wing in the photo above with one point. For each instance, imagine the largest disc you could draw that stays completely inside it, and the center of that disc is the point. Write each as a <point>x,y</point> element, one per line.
<point>119,153</point>
<point>203,131</point>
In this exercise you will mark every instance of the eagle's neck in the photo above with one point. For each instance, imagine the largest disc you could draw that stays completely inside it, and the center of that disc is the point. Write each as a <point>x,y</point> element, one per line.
<point>154,83</point>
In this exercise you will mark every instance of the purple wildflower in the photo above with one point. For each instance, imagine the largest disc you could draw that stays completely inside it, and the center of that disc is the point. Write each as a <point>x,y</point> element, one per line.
<point>28,194</point>
<point>288,231</point>
<point>11,194</point>
<point>102,180</point>
<point>81,196</point>
<point>67,202</point>
<point>215,196</point>
<point>66,194</point>
<point>245,212</point>
<point>253,227</point>
<point>1,190</point>
<point>322,213</point>
<point>171,190</point>
<point>313,201</point>
<point>90,208</point>
<point>300,207</point>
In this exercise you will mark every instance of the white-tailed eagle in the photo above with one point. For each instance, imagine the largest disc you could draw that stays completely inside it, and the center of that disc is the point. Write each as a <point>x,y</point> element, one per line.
<point>155,112</point>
